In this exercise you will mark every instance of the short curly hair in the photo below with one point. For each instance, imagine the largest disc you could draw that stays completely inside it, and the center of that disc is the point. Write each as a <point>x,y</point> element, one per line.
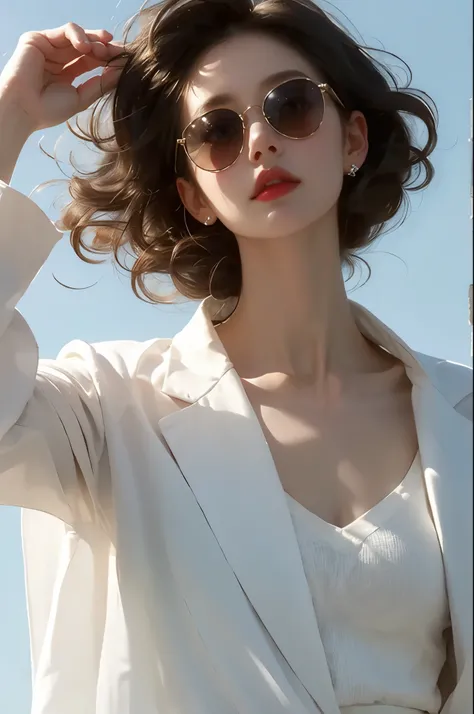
<point>134,185</point>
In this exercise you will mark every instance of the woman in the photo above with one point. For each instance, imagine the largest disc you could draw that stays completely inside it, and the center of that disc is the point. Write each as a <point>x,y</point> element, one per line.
<point>271,511</point>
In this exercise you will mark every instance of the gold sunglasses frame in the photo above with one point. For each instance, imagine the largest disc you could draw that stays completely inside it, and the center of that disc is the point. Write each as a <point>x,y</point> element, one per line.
<point>324,88</point>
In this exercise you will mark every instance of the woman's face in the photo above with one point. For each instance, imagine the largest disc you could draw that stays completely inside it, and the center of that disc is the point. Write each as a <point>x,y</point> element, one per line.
<point>240,67</point>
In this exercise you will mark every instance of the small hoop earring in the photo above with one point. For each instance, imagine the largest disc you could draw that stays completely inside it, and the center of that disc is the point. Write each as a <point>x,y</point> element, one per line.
<point>207,222</point>
<point>353,170</point>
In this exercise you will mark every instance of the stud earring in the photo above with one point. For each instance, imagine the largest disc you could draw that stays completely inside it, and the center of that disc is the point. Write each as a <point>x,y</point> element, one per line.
<point>207,222</point>
<point>353,170</point>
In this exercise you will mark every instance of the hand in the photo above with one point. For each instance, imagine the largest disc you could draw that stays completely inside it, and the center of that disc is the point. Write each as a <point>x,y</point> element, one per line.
<point>37,80</point>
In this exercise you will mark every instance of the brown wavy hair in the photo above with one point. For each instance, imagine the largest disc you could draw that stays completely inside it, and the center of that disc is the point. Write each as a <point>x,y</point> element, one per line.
<point>131,201</point>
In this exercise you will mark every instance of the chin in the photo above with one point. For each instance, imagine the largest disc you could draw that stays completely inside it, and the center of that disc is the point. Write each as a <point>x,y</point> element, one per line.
<point>279,223</point>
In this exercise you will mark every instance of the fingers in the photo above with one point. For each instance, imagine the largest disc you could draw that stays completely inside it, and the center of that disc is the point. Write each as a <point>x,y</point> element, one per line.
<point>74,69</point>
<point>70,51</point>
<point>89,92</point>
<point>63,44</point>
<point>80,39</point>
<point>115,48</point>
<point>94,88</point>
<point>83,64</point>
<point>69,59</point>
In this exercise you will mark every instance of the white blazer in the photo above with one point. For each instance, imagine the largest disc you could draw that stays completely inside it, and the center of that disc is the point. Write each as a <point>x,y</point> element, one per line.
<point>163,573</point>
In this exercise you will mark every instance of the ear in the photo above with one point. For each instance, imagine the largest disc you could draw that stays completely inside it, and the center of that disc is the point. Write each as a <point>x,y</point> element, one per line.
<point>194,202</point>
<point>356,141</point>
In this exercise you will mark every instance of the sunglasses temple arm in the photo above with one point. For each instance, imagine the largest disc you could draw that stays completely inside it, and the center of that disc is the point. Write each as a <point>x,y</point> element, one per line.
<point>176,157</point>
<point>332,93</point>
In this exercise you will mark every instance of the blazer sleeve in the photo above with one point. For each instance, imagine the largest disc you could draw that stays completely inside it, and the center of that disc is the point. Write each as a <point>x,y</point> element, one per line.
<point>51,426</point>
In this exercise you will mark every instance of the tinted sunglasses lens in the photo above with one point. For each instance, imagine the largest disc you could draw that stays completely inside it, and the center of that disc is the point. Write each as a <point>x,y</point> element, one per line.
<point>295,108</point>
<point>214,140</point>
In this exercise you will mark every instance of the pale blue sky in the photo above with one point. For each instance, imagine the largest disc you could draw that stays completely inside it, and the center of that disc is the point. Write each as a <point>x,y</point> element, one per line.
<point>421,272</point>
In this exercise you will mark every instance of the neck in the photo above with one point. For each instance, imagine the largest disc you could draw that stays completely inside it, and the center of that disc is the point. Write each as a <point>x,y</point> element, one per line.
<point>293,319</point>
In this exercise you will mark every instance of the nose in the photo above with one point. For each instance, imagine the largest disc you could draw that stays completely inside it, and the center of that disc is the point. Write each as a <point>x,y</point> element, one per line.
<point>262,139</point>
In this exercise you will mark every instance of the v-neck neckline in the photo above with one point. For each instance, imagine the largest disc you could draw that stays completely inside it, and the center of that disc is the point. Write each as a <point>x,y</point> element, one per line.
<point>366,524</point>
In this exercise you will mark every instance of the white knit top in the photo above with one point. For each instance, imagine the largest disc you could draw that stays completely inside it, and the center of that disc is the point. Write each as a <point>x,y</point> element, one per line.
<point>379,594</point>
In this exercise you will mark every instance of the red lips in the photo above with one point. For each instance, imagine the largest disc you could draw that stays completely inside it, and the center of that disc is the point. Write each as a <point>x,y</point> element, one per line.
<point>273,174</point>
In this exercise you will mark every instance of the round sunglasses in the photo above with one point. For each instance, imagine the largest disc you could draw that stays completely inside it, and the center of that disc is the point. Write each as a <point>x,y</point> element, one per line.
<point>294,109</point>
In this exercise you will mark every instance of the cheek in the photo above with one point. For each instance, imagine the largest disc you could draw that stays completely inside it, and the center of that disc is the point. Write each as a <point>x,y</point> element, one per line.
<point>225,190</point>
<point>323,153</point>
<point>321,163</point>
<point>208,187</point>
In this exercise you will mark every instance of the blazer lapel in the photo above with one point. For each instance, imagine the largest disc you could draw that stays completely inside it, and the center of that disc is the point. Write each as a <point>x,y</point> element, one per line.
<point>221,451</point>
<point>445,439</point>
<point>446,450</point>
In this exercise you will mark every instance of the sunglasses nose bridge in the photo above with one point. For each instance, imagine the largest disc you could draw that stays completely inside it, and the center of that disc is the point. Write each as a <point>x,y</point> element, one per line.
<point>243,116</point>
<point>246,123</point>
